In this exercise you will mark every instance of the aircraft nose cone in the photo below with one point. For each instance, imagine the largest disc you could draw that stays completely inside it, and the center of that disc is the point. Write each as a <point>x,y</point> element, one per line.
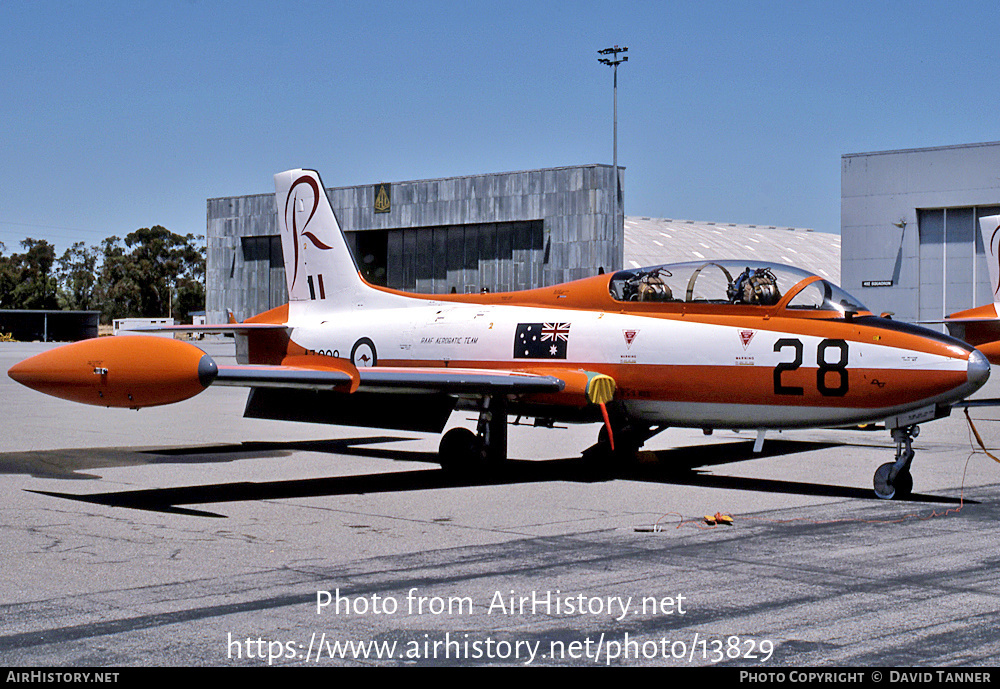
<point>23,373</point>
<point>979,369</point>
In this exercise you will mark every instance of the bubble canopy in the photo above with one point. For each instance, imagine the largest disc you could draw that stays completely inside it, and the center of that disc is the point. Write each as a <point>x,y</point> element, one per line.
<point>733,283</point>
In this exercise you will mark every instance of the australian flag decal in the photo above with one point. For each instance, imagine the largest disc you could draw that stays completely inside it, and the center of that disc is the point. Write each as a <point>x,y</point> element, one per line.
<point>541,340</point>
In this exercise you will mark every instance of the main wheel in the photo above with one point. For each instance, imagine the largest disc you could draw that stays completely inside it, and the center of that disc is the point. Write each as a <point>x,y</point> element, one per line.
<point>460,450</point>
<point>626,448</point>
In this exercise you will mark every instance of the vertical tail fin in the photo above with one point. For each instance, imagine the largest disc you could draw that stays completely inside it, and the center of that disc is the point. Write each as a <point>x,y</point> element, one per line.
<point>318,264</point>
<point>990,227</point>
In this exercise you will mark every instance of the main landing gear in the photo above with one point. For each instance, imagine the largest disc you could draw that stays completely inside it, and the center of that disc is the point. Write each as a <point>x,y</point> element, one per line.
<point>893,479</point>
<point>622,447</point>
<point>627,439</point>
<point>461,450</point>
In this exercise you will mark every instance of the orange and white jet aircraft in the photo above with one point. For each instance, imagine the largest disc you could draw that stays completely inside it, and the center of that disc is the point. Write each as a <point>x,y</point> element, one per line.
<point>735,345</point>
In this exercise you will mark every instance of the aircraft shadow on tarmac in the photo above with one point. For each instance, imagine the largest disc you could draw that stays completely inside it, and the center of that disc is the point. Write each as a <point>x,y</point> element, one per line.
<point>677,466</point>
<point>72,463</point>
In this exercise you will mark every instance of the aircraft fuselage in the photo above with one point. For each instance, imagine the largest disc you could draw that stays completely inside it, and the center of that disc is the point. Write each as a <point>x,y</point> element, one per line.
<point>680,369</point>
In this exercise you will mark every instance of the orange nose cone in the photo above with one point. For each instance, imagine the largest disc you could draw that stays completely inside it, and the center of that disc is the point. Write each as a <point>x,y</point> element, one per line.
<point>127,371</point>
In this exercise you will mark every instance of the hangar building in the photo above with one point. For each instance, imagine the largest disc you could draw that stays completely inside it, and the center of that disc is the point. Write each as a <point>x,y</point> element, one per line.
<point>910,228</point>
<point>503,231</point>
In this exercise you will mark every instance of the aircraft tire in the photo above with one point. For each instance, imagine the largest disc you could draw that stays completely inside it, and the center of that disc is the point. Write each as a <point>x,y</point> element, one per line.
<point>883,488</point>
<point>626,449</point>
<point>903,484</point>
<point>460,451</point>
<point>899,489</point>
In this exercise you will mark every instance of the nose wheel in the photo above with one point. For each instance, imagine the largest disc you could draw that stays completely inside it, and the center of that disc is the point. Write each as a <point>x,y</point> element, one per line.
<point>893,479</point>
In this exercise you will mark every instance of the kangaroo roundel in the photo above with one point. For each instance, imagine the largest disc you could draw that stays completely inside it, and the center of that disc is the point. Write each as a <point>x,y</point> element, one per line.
<point>363,354</point>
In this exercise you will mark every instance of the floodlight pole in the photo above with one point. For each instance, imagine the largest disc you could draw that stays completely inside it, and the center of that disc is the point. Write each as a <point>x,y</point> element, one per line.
<point>613,62</point>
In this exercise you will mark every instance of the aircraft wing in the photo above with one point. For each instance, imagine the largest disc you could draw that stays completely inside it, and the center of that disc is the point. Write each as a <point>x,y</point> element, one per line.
<point>405,398</point>
<point>287,377</point>
<point>141,371</point>
<point>457,380</point>
<point>389,379</point>
<point>138,372</point>
<point>981,402</point>
<point>980,327</point>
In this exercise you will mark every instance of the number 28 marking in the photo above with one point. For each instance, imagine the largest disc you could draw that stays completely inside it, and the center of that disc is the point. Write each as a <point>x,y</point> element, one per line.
<point>837,369</point>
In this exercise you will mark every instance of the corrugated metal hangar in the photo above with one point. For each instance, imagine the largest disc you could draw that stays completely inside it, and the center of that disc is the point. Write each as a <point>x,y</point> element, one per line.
<point>910,228</point>
<point>503,231</point>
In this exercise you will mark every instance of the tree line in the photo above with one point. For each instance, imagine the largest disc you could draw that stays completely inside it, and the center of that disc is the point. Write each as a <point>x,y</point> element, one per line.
<point>152,273</point>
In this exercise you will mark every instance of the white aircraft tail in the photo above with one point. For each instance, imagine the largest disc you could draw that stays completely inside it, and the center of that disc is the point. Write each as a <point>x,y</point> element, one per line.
<point>318,264</point>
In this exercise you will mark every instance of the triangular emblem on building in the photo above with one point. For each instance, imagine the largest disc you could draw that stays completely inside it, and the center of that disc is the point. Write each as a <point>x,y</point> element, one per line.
<point>383,197</point>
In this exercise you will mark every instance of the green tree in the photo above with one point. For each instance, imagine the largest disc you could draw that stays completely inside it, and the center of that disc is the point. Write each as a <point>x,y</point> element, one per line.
<point>78,277</point>
<point>27,280</point>
<point>8,280</point>
<point>156,274</point>
<point>117,293</point>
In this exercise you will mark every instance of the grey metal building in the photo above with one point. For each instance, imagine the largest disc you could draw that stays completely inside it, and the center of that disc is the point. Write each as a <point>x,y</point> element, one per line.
<point>503,231</point>
<point>910,228</point>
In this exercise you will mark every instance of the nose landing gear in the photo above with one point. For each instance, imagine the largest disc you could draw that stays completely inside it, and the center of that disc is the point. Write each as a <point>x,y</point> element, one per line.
<point>893,479</point>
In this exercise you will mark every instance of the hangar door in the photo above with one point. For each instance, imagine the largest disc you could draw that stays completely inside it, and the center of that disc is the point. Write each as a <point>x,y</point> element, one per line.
<point>262,283</point>
<point>499,257</point>
<point>953,271</point>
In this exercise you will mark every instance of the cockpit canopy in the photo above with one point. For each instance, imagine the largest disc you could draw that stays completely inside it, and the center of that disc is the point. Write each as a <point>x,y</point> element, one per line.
<point>744,283</point>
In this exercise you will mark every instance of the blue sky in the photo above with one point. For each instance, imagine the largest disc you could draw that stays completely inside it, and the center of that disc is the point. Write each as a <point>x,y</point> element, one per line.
<point>117,116</point>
